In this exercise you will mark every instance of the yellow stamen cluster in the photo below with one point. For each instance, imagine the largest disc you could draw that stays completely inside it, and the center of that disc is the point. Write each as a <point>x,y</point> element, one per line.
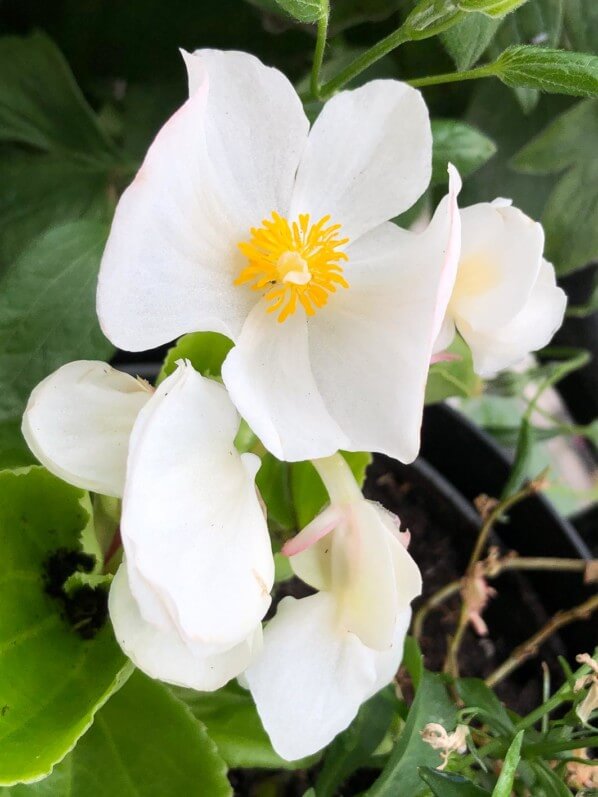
<point>294,262</point>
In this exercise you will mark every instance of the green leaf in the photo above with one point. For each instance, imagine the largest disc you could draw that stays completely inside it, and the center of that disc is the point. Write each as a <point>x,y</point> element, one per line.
<point>538,21</point>
<point>232,721</point>
<point>205,350</point>
<point>460,144</point>
<point>446,784</point>
<point>581,24</point>
<point>400,775</point>
<point>308,491</point>
<point>413,660</point>
<point>353,747</point>
<point>348,13</point>
<point>475,694</point>
<point>552,785</point>
<point>273,480</point>
<point>555,71</point>
<point>454,377</point>
<point>303,10</point>
<point>571,213</point>
<point>504,784</point>
<point>431,17</point>
<point>47,311</point>
<point>143,742</point>
<point>52,679</point>
<point>40,103</point>
<point>466,41</point>
<point>79,188</point>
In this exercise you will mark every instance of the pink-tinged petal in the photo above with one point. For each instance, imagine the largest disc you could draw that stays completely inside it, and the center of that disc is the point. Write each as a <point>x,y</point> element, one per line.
<point>448,216</point>
<point>444,357</point>
<point>319,527</point>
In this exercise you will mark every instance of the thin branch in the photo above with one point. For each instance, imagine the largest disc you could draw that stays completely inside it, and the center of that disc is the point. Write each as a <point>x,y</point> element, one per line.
<point>530,647</point>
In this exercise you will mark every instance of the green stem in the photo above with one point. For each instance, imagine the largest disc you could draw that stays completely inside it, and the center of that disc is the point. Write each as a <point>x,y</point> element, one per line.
<point>364,61</point>
<point>319,51</point>
<point>488,70</point>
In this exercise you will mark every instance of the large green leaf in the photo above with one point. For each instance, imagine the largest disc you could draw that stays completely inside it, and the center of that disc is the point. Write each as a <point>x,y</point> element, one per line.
<point>40,103</point>
<point>571,213</point>
<point>353,748</point>
<point>52,680</point>
<point>400,775</point>
<point>78,187</point>
<point>233,723</point>
<point>475,694</point>
<point>460,144</point>
<point>57,164</point>
<point>143,743</point>
<point>47,311</point>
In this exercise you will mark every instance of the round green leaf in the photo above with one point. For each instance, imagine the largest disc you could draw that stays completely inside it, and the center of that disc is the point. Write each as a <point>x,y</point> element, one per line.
<point>52,679</point>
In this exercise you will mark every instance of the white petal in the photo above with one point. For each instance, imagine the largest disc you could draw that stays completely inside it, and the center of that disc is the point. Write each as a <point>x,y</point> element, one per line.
<point>374,578</point>
<point>501,255</point>
<point>530,330</point>
<point>164,654</point>
<point>310,550</point>
<point>368,157</point>
<point>387,662</point>
<point>269,378</point>
<point>78,422</point>
<point>226,159</point>
<point>370,347</point>
<point>192,523</point>
<point>311,677</point>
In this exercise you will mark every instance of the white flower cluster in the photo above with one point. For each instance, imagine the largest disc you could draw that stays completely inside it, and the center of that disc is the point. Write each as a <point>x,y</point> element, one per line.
<point>244,221</point>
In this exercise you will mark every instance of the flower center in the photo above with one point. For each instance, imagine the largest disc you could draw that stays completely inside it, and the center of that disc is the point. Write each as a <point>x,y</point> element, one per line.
<point>294,263</point>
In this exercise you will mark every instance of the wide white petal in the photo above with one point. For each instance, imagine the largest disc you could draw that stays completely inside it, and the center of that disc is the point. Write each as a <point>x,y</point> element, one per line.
<point>224,160</point>
<point>368,157</point>
<point>501,255</point>
<point>530,330</point>
<point>269,378</point>
<point>192,523</point>
<point>311,676</point>
<point>78,422</point>
<point>164,654</point>
<point>370,347</point>
<point>310,550</point>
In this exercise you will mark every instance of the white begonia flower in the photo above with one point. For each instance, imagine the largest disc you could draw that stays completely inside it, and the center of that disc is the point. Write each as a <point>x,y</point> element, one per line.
<point>188,603</point>
<point>244,222</point>
<point>504,299</point>
<point>324,655</point>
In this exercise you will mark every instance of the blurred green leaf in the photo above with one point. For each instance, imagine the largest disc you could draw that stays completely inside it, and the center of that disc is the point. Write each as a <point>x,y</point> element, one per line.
<point>454,377</point>
<point>555,71</point>
<point>205,350</point>
<point>273,480</point>
<point>551,784</point>
<point>581,25</point>
<point>571,213</point>
<point>348,13</point>
<point>400,775</point>
<point>232,721</point>
<point>504,784</point>
<point>460,144</point>
<point>40,103</point>
<point>52,680</point>
<point>354,746</point>
<point>57,163</point>
<point>47,311</point>
<point>143,742</point>
<point>446,784</point>
<point>413,660</point>
<point>431,17</point>
<point>303,10</point>
<point>475,694</point>
<point>494,8</point>
<point>466,41</point>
